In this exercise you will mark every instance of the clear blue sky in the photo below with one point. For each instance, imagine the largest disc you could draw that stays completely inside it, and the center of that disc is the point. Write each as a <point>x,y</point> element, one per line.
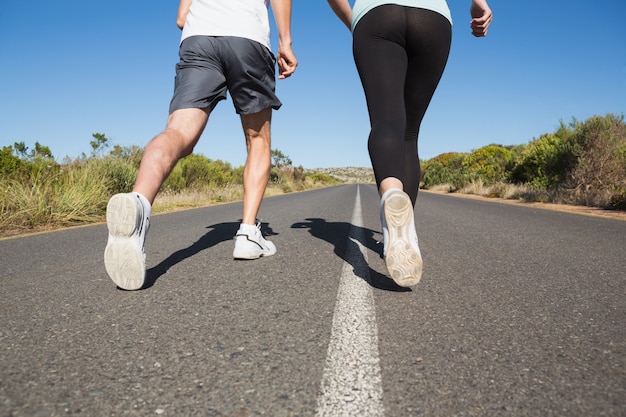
<point>72,68</point>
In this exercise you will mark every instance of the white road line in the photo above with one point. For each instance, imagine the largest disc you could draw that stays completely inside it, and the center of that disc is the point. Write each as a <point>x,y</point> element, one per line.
<point>352,383</point>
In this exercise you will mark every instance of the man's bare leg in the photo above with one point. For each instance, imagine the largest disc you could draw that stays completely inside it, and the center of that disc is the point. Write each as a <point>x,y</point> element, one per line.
<point>249,241</point>
<point>181,134</point>
<point>258,163</point>
<point>128,214</point>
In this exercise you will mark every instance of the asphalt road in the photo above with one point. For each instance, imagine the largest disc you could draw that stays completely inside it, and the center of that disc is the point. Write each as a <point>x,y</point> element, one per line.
<point>520,312</point>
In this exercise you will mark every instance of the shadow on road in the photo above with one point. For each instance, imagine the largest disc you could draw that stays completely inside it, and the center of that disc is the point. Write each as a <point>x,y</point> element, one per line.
<point>338,234</point>
<point>217,233</point>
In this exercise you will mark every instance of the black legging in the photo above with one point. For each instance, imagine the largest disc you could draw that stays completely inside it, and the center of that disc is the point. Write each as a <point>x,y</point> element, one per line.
<point>400,53</point>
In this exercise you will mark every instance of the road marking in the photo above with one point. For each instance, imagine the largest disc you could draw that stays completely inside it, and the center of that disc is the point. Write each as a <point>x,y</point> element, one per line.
<point>352,382</point>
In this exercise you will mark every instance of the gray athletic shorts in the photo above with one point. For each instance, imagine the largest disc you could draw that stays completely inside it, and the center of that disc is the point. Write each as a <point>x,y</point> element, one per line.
<point>210,66</point>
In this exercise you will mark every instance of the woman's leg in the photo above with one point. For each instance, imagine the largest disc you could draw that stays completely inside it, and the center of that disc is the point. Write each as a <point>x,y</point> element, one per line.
<point>400,53</point>
<point>382,62</point>
<point>428,45</point>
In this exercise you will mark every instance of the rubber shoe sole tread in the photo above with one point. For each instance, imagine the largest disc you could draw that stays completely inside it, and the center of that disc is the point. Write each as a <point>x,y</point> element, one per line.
<point>124,258</point>
<point>403,259</point>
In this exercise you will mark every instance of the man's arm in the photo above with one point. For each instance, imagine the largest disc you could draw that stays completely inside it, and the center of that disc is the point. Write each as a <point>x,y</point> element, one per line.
<point>285,57</point>
<point>343,11</point>
<point>183,10</point>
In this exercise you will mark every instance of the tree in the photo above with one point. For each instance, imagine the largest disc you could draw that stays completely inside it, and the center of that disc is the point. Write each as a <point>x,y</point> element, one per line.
<point>280,159</point>
<point>99,144</point>
<point>41,151</point>
<point>131,154</point>
<point>21,149</point>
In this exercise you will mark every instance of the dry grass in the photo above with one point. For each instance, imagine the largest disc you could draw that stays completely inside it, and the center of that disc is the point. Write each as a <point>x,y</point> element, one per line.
<point>507,191</point>
<point>78,196</point>
<point>165,202</point>
<point>442,188</point>
<point>52,198</point>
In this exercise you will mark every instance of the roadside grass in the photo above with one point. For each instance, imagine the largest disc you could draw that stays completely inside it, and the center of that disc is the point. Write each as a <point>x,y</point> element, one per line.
<point>506,191</point>
<point>76,194</point>
<point>167,201</point>
<point>52,197</point>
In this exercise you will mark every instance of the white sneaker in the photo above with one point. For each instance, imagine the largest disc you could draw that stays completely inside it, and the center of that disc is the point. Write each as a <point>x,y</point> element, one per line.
<point>250,244</point>
<point>128,221</point>
<point>400,247</point>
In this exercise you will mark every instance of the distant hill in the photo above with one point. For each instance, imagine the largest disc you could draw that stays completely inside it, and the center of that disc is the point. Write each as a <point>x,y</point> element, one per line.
<point>348,174</point>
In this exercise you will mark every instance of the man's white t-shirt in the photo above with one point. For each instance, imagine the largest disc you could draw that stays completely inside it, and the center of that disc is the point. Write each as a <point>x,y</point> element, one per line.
<point>242,18</point>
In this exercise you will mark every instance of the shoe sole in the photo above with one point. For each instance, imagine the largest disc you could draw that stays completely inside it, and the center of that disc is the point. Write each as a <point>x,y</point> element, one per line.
<point>404,263</point>
<point>123,260</point>
<point>247,255</point>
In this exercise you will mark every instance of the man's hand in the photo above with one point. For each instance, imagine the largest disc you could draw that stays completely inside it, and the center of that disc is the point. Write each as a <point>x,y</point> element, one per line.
<point>285,57</point>
<point>287,62</point>
<point>481,18</point>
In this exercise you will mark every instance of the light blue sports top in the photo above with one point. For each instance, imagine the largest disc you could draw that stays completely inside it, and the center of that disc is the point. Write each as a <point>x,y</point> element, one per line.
<point>363,6</point>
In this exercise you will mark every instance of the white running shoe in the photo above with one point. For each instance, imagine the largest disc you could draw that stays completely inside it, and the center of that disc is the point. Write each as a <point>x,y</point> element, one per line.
<point>128,221</point>
<point>400,247</point>
<point>250,244</point>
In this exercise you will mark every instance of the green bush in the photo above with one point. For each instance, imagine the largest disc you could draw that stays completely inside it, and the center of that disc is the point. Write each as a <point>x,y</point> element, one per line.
<point>445,169</point>
<point>488,164</point>
<point>195,170</point>
<point>237,177</point>
<point>543,163</point>
<point>129,154</point>
<point>220,173</point>
<point>436,173</point>
<point>175,182</point>
<point>118,175</point>
<point>10,164</point>
<point>321,178</point>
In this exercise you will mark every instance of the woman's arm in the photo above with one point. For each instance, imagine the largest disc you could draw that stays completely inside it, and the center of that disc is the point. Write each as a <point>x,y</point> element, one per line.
<point>343,11</point>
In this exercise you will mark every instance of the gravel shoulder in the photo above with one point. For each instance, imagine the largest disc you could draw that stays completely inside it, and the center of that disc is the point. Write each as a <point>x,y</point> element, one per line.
<point>582,210</point>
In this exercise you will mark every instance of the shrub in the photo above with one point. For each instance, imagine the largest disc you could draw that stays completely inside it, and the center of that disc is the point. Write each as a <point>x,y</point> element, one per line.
<point>220,173</point>
<point>446,168</point>
<point>598,170</point>
<point>175,182</point>
<point>195,170</point>
<point>118,175</point>
<point>488,164</point>
<point>543,163</point>
<point>10,164</point>
<point>130,154</point>
<point>318,178</point>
